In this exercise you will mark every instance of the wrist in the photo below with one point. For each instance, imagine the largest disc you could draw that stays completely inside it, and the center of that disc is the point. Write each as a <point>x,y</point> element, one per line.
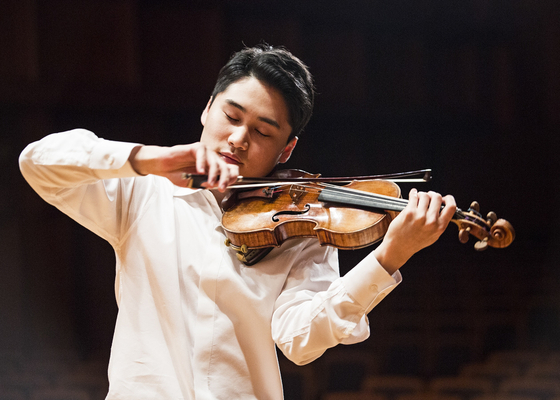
<point>142,159</point>
<point>390,257</point>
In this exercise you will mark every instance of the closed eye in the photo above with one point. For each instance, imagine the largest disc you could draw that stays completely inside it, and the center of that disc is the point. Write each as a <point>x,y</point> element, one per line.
<point>260,133</point>
<point>231,118</point>
<point>234,120</point>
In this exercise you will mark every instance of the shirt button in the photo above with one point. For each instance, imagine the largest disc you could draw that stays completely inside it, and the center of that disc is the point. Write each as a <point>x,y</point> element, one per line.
<point>374,288</point>
<point>111,160</point>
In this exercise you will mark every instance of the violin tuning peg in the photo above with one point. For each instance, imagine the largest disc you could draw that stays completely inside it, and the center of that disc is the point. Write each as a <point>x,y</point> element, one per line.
<point>464,235</point>
<point>491,218</point>
<point>475,206</point>
<point>481,245</point>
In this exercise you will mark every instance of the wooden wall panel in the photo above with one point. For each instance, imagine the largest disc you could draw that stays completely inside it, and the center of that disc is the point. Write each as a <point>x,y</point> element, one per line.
<point>18,41</point>
<point>181,51</point>
<point>92,42</point>
<point>339,58</point>
<point>250,30</point>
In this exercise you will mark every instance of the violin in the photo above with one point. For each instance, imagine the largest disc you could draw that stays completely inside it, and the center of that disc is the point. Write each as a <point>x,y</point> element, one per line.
<point>296,204</point>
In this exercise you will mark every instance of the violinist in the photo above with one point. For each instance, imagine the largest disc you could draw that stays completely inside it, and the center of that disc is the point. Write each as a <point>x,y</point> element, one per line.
<point>194,322</point>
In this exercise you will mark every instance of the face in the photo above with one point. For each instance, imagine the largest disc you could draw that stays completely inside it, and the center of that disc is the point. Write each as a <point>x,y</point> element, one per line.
<point>247,125</point>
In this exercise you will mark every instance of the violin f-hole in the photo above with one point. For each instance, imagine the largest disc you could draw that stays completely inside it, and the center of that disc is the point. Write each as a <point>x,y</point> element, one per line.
<point>288,212</point>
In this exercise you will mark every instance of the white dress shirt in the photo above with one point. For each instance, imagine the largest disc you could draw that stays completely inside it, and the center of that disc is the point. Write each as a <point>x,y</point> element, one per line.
<point>193,321</point>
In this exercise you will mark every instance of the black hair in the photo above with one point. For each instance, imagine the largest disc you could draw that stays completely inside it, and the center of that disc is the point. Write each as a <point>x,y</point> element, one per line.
<point>280,69</point>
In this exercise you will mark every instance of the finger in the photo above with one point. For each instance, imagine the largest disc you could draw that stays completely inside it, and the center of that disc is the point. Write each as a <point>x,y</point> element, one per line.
<point>449,208</point>
<point>412,198</point>
<point>225,176</point>
<point>213,171</point>
<point>434,208</point>
<point>228,176</point>
<point>220,173</point>
<point>449,201</point>
<point>201,159</point>
<point>234,173</point>
<point>423,201</point>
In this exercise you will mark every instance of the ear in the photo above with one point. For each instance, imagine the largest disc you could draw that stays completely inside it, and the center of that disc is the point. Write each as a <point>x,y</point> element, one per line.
<point>287,152</point>
<point>205,112</point>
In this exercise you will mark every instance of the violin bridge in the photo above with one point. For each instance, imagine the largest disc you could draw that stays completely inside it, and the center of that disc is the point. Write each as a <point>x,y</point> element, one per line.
<point>296,192</point>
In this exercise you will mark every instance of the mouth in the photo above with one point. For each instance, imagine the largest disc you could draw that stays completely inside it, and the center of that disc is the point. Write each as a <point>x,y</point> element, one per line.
<point>230,158</point>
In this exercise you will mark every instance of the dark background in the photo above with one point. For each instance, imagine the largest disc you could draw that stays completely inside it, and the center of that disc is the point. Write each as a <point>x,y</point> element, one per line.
<point>470,89</point>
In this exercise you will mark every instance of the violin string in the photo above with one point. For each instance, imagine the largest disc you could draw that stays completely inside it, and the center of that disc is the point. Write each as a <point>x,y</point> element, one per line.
<point>357,194</point>
<point>358,197</point>
<point>363,193</point>
<point>378,200</point>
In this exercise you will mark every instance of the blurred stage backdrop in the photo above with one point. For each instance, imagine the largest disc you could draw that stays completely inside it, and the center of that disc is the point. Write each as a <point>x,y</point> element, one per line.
<point>470,89</point>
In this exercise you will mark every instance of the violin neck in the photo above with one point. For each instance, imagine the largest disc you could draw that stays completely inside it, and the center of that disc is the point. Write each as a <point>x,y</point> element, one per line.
<point>334,194</point>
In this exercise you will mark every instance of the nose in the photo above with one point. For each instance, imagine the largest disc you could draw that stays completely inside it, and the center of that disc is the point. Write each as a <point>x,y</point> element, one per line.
<point>239,138</point>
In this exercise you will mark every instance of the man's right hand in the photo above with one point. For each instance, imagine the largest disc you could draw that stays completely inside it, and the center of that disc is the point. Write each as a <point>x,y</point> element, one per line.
<point>173,162</point>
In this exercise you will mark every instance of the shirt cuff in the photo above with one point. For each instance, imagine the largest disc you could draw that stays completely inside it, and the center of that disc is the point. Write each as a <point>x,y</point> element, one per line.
<point>368,282</point>
<point>110,159</point>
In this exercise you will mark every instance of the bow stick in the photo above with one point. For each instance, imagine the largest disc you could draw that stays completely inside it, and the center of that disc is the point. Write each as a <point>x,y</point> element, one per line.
<point>423,175</point>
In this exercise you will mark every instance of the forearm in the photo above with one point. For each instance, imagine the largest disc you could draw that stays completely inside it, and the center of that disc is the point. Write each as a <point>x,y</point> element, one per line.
<point>173,162</point>
<point>145,160</point>
<point>318,310</point>
<point>333,317</point>
<point>304,330</point>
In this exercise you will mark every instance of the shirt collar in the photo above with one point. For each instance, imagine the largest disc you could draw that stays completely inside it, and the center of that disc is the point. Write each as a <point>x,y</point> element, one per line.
<point>179,191</point>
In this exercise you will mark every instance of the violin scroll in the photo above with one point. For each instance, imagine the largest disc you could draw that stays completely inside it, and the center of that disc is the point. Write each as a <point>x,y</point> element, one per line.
<point>491,231</point>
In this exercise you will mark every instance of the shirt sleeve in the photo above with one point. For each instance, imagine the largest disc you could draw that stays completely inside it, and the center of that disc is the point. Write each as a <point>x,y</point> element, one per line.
<point>86,177</point>
<point>318,309</point>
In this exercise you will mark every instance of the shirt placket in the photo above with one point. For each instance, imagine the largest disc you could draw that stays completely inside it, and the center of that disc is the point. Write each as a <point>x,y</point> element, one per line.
<point>206,317</point>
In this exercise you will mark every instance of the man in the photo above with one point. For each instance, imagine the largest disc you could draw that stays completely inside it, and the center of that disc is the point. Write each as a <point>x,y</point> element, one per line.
<point>193,321</point>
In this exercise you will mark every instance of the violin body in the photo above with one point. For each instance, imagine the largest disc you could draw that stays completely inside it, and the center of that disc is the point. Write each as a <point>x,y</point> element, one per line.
<point>296,211</point>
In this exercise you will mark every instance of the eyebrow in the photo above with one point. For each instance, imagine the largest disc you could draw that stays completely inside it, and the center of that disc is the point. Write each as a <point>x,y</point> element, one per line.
<point>263,119</point>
